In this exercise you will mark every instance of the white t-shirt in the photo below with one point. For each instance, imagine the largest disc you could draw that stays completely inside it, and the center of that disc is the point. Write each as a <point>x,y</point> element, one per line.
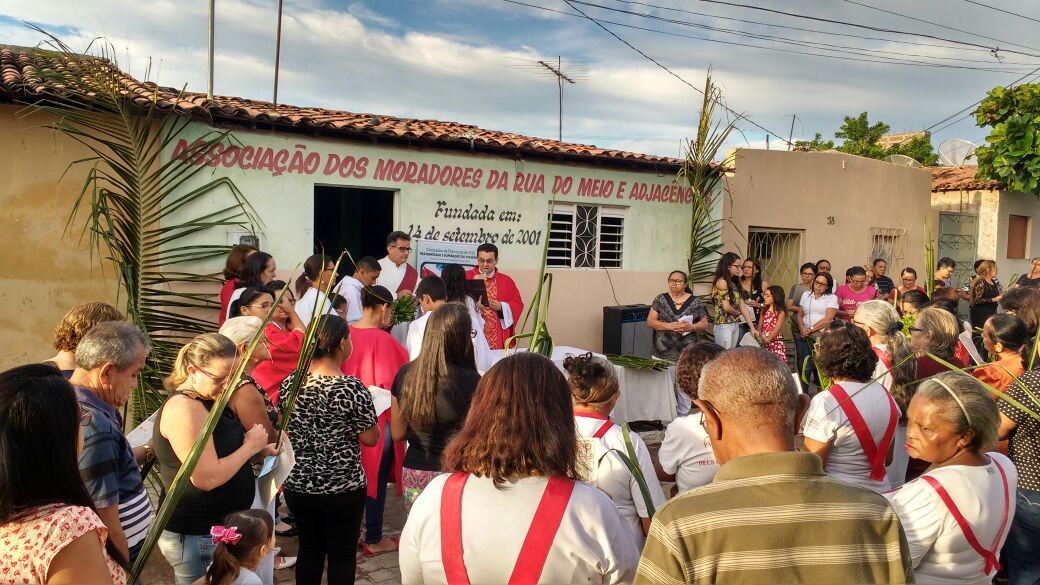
<point>235,295</point>
<point>305,306</point>
<point>814,309</point>
<point>613,477</point>
<point>592,545</point>
<point>417,331</point>
<point>881,368</point>
<point>826,422</point>
<point>686,453</point>
<point>350,288</point>
<point>939,550</point>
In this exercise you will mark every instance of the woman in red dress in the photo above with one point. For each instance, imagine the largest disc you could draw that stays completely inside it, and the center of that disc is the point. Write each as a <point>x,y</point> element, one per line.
<point>375,360</point>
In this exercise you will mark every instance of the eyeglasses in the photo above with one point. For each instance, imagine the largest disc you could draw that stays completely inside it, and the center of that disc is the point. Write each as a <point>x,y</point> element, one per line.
<point>85,417</point>
<point>818,283</point>
<point>858,281</point>
<point>473,333</point>
<point>262,306</point>
<point>403,248</point>
<point>676,282</point>
<point>734,265</point>
<point>917,329</point>
<point>218,380</point>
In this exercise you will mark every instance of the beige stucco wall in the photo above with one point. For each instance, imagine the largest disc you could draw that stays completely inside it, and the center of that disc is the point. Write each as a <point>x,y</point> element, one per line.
<point>834,198</point>
<point>1015,203</point>
<point>42,274</point>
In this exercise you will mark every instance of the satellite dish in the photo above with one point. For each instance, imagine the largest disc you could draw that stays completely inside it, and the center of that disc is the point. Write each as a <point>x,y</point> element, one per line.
<point>903,160</point>
<point>955,152</point>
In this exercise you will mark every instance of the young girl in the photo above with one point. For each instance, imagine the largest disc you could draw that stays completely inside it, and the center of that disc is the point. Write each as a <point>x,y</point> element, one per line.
<point>244,539</point>
<point>774,314</point>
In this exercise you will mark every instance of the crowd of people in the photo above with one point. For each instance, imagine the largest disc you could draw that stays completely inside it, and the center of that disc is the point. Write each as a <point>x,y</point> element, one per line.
<point>890,454</point>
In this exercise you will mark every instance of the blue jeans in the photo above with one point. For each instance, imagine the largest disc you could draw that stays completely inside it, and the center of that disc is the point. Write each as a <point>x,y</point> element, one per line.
<point>374,506</point>
<point>188,554</point>
<point>1023,541</point>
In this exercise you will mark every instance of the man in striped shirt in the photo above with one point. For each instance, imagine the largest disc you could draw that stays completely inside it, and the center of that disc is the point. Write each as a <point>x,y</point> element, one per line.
<point>771,515</point>
<point>108,360</point>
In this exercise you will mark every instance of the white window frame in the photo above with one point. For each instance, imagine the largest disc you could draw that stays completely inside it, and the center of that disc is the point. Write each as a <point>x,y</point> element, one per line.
<point>571,239</point>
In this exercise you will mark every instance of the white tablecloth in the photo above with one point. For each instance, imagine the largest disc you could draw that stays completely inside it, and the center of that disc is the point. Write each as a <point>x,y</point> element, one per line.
<point>645,394</point>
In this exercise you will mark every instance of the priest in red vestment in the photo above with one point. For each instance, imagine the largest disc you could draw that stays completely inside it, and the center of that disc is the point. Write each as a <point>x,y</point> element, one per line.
<point>504,305</point>
<point>397,275</point>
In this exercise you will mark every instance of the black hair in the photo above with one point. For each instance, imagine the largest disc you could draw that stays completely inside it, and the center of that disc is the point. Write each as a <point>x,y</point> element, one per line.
<point>255,528</point>
<point>915,297</point>
<point>808,265</point>
<point>393,236</point>
<point>756,276</point>
<point>821,261</point>
<point>253,268</point>
<point>367,263</point>
<point>337,300</point>
<point>248,296</point>
<point>432,286</point>
<point>830,281</point>
<point>487,247</point>
<point>331,331</point>
<point>313,266</point>
<point>374,296</point>
<point>722,273</point>
<point>1025,302</point>
<point>1008,330</point>
<point>39,434</point>
<point>908,270</point>
<point>685,278</point>
<point>779,305</point>
<point>855,271</point>
<point>844,352</point>
<point>876,260</point>
<point>454,277</point>
<point>944,305</point>
<point>946,262</point>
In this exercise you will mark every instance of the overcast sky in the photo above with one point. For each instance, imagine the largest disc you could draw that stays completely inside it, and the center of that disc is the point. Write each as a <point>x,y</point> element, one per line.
<point>470,60</point>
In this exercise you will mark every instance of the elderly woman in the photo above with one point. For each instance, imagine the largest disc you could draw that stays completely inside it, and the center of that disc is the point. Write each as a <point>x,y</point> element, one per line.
<point>857,290</point>
<point>911,302</point>
<point>934,332</point>
<point>531,457</point>
<point>957,515</point>
<point>851,425</point>
<point>673,316</point>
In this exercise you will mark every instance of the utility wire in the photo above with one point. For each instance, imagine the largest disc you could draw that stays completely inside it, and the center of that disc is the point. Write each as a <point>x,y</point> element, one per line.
<point>879,59</point>
<point>798,28</point>
<point>973,105</point>
<point>672,73</point>
<point>861,51</point>
<point>865,26</point>
<point>1002,10</point>
<point>967,32</point>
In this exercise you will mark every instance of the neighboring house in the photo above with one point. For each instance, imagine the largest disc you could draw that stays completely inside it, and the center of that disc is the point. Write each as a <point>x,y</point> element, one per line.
<point>786,208</point>
<point>978,218</point>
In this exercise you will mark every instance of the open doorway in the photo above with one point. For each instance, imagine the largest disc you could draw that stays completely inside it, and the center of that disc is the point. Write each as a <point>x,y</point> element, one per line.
<point>354,219</point>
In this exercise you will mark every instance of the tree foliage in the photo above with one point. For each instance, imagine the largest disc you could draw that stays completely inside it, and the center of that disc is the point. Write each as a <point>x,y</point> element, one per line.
<point>1012,150</point>
<point>861,138</point>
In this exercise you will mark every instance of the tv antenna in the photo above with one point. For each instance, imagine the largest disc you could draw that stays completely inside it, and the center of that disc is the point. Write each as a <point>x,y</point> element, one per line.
<point>955,152</point>
<point>903,161</point>
<point>564,71</point>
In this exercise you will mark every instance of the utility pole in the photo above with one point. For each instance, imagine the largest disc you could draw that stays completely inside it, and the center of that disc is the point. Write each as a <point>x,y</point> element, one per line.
<point>212,22</point>
<point>791,134</point>
<point>277,51</point>
<point>557,70</point>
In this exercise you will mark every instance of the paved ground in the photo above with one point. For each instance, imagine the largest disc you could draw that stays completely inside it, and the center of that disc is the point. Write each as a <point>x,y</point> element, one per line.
<point>378,570</point>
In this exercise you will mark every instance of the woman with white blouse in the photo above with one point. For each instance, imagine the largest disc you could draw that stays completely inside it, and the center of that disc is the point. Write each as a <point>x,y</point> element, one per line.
<point>595,391</point>
<point>851,424</point>
<point>512,481</point>
<point>819,307</point>
<point>957,515</point>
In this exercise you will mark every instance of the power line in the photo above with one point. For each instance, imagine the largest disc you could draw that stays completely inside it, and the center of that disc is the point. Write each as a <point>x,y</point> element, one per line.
<point>798,28</point>
<point>1002,10</point>
<point>670,72</point>
<point>879,59</point>
<point>967,32</point>
<point>973,105</point>
<point>861,51</point>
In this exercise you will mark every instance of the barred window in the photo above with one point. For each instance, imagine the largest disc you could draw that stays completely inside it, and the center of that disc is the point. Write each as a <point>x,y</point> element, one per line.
<point>586,236</point>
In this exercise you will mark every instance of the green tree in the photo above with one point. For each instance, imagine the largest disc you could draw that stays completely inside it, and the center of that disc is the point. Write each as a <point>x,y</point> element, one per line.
<point>918,148</point>
<point>1012,150</point>
<point>817,143</point>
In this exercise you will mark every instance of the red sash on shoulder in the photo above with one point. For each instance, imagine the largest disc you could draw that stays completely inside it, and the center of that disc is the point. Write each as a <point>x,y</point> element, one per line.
<point>410,278</point>
<point>602,430</point>
<point>537,543</point>
<point>990,554</point>
<point>876,454</point>
<point>883,357</point>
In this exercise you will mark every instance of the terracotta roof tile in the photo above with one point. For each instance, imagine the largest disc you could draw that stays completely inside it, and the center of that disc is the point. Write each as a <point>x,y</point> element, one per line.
<point>961,178</point>
<point>21,79</point>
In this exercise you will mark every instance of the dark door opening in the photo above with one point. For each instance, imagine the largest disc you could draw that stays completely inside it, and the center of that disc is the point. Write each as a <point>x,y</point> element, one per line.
<point>354,219</point>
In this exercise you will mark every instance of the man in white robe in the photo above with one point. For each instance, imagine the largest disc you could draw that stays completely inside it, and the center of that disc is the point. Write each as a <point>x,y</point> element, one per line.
<point>349,287</point>
<point>399,277</point>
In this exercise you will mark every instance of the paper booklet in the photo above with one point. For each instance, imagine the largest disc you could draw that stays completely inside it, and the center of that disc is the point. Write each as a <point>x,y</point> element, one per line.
<point>275,470</point>
<point>686,319</point>
<point>142,435</point>
<point>380,399</point>
<point>969,344</point>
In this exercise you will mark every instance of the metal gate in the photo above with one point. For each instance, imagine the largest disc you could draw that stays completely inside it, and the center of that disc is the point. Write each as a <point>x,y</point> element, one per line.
<point>958,239</point>
<point>778,251</point>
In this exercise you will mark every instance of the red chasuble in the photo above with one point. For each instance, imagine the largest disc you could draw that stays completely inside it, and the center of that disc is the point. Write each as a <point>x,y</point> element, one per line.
<point>500,288</point>
<point>375,360</point>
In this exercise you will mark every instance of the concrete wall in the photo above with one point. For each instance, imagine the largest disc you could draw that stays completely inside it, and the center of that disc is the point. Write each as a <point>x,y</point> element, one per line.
<point>518,191</point>
<point>43,273</point>
<point>1016,203</point>
<point>833,198</point>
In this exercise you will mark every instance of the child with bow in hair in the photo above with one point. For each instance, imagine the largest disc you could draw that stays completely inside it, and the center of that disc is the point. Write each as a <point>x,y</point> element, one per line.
<point>244,539</point>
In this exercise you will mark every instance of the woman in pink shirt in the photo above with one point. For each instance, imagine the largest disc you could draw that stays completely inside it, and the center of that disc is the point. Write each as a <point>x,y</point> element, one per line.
<point>854,292</point>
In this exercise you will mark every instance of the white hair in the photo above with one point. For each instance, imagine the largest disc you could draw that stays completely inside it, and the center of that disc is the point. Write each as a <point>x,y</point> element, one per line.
<point>750,385</point>
<point>241,330</point>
